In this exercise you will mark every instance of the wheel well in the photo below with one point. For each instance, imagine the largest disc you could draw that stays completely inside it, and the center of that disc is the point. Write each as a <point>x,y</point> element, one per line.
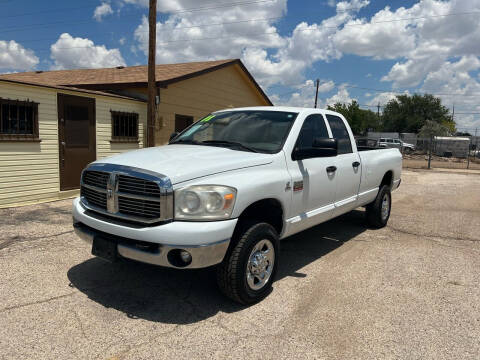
<point>266,210</point>
<point>387,179</point>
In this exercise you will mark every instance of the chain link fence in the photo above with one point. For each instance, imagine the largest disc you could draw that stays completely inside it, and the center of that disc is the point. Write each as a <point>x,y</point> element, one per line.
<point>452,152</point>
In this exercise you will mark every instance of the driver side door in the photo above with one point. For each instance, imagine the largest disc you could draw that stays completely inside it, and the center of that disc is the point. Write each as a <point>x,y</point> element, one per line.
<point>313,188</point>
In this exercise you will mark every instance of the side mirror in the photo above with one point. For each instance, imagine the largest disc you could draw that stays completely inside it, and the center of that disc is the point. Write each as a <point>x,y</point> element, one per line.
<point>329,146</point>
<point>321,147</point>
<point>173,135</point>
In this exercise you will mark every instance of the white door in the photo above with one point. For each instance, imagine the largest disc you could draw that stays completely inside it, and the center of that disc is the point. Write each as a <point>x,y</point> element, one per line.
<point>348,171</point>
<point>313,188</point>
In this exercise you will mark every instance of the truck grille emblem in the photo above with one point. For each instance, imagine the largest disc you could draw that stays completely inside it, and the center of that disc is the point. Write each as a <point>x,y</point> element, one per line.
<point>112,188</point>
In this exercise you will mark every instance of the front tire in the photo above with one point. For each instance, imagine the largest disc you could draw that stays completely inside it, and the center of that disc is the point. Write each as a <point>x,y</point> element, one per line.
<point>378,212</point>
<point>249,267</point>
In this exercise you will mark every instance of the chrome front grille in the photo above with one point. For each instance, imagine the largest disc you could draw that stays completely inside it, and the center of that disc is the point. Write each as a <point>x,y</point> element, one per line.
<point>127,193</point>
<point>96,178</point>
<point>95,197</point>
<point>147,209</point>
<point>132,185</point>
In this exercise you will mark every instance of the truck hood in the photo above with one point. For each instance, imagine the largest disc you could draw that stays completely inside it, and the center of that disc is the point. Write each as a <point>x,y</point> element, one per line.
<point>185,162</point>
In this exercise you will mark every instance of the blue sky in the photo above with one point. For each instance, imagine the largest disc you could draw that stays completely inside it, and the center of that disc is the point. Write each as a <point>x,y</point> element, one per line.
<point>359,49</point>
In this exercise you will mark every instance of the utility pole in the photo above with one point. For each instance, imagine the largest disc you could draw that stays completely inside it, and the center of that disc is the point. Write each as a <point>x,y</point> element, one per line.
<point>476,140</point>
<point>316,93</point>
<point>453,112</point>
<point>378,110</point>
<point>470,147</point>
<point>152,88</point>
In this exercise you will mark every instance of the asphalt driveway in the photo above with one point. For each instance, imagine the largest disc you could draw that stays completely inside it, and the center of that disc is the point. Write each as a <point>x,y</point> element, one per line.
<point>409,291</point>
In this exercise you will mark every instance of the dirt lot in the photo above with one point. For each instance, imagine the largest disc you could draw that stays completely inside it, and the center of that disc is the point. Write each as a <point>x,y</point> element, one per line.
<point>408,291</point>
<point>418,161</point>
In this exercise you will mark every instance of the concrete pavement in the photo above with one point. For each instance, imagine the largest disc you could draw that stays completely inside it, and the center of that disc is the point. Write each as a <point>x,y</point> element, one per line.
<point>409,291</point>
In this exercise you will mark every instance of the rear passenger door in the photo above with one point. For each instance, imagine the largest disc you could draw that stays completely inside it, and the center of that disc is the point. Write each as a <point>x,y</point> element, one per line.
<point>348,171</point>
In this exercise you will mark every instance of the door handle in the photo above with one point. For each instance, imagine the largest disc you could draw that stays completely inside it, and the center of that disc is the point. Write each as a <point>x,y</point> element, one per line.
<point>355,164</point>
<point>331,169</point>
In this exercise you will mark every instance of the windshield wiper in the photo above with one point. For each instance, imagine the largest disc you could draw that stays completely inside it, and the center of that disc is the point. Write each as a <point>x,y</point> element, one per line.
<point>186,141</point>
<point>230,143</point>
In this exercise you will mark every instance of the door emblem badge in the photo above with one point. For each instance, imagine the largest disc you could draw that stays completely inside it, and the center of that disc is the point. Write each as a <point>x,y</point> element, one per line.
<point>298,185</point>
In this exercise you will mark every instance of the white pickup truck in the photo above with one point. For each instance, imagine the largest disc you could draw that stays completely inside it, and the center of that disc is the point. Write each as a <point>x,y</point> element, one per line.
<point>227,189</point>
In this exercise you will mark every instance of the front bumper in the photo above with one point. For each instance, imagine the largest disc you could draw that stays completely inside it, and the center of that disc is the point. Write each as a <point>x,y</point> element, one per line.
<point>207,242</point>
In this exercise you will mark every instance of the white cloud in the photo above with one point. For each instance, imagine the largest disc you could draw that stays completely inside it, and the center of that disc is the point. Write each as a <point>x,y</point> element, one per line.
<point>342,96</point>
<point>101,11</point>
<point>304,95</point>
<point>71,53</point>
<point>376,38</point>
<point>14,56</point>
<point>326,86</point>
<point>456,86</point>
<point>122,40</point>
<point>271,58</point>
<point>382,98</point>
<point>222,41</point>
<point>430,50</point>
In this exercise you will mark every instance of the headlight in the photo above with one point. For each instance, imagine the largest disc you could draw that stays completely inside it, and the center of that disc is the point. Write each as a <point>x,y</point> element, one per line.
<point>204,202</point>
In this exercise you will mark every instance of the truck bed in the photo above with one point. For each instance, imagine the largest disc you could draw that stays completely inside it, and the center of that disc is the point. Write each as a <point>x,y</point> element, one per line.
<point>367,148</point>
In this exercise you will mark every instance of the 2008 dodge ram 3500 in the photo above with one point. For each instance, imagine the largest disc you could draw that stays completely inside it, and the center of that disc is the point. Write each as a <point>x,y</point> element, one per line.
<point>228,188</point>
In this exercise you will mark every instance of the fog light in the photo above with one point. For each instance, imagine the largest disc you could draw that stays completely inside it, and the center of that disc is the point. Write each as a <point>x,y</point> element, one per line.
<point>185,256</point>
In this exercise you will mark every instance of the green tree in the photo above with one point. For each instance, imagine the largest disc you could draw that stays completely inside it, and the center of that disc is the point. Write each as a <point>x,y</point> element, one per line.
<point>432,128</point>
<point>409,113</point>
<point>360,120</point>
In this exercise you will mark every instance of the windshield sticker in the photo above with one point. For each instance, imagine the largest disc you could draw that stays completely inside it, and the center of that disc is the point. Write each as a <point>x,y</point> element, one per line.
<point>208,118</point>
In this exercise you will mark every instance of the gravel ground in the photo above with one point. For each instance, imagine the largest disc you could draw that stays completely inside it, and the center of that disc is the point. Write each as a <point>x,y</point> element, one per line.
<point>409,291</point>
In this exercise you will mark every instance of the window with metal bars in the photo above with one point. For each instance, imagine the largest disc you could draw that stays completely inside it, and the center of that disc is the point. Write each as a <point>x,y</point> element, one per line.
<point>124,126</point>
<point>18,120</point>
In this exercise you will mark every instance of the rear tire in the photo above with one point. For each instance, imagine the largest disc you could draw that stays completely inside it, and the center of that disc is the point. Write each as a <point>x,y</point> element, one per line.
<point>378,211</point>
<point>247,272</point>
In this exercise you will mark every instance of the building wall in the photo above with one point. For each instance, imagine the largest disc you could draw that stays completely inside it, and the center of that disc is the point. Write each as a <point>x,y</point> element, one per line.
<point>29,171</point>
<point>225,88</point>
<point>104,124</point>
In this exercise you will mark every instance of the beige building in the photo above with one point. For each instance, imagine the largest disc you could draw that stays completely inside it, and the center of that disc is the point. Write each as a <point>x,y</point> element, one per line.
<point>53,123</point>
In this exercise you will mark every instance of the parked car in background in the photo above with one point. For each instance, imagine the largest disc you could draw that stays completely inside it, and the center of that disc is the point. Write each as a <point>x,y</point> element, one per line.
<point>396,143</point>
<point>228,188</point>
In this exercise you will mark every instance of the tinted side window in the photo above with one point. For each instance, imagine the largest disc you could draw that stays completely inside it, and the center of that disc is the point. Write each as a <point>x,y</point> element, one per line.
<point>339,132</point>
<point>313,127</point>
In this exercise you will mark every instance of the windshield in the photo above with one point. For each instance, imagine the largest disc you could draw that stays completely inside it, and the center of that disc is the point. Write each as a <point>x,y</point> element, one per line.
<point>258,131</point>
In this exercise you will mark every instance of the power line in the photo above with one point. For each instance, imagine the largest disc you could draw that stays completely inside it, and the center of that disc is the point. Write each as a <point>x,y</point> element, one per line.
<point>169,12</point>
<point>337,86</point>
<point>261,34</point>
<point>175,29</point>
<point>178,28</point>
<point>402,92</point>
<point>46,11</point>
<point>272,33</point>
<point>33,26</point>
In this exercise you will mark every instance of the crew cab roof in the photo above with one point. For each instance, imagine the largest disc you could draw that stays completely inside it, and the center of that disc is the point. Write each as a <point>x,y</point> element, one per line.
<point>282,108</point>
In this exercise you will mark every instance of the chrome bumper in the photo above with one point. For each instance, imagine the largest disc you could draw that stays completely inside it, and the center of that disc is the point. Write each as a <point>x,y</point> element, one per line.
<point>203,255</point>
